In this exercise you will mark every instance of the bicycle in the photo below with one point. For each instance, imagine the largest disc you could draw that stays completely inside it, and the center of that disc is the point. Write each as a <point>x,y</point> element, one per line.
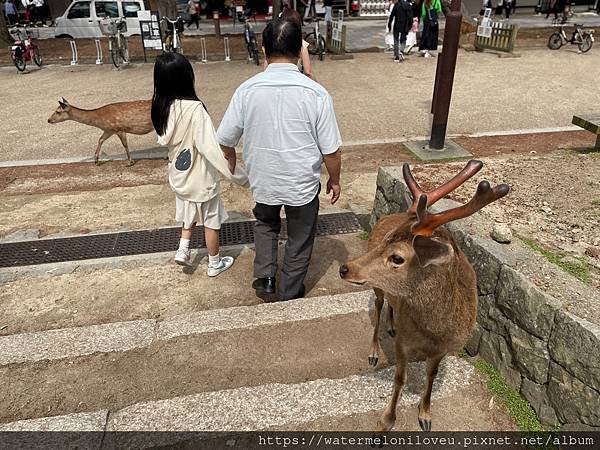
<point>117,42</point>
<point>251,43</point>
<point>24,49</point>
<point>173,33</point>
<point>582,38</point>
<point>316,41</point>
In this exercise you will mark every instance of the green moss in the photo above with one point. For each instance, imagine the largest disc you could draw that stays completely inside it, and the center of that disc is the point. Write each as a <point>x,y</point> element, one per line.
<point>364,235</point>
<point>576,266</point>
<point>518,408</point>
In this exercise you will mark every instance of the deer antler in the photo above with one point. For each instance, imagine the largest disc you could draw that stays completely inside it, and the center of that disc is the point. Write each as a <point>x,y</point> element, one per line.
<point>472,167</point>
<point>426,223</point>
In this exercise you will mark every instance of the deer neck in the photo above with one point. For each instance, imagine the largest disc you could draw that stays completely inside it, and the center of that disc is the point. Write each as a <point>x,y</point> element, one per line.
<point>85,116</point>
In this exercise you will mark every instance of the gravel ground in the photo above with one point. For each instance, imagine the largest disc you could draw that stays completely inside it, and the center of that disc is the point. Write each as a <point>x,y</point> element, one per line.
<point>554,201</point>
<point>490,93</point>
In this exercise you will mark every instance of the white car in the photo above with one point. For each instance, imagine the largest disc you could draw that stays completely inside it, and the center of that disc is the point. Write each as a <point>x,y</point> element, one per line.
<point>81,18</point>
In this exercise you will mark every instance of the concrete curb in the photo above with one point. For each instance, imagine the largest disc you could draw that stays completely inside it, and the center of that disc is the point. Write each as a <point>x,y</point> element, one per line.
<point>76,342</point>
<point>161,153</point>
<point>258,407</point>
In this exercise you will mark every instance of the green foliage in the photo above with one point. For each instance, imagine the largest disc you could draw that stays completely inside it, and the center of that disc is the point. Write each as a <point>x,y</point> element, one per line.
<point>364,235</point>
<point>576,266</point>
<point>518,408</point>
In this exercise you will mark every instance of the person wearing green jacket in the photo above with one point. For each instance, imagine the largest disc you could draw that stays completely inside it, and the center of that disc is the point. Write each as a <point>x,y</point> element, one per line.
<point>430,13</point>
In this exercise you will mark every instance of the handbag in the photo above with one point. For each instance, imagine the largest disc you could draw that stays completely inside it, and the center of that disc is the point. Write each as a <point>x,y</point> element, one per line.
<point>433,17</point>
<point>389,38</point>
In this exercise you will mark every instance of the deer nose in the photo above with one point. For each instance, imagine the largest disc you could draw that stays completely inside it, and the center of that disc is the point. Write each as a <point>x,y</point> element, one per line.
<point>344,270</point>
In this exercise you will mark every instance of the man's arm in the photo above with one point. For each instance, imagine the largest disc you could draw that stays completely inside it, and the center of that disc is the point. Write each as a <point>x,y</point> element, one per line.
<point>333,164</point>
<point>230,156</point>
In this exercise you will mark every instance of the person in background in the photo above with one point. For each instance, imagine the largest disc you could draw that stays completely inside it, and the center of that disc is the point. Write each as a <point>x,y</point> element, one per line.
<point>310,10</point>
<point>194,12</point>
<point>401,18</point>
<point>328,4</point>
<point>10,12</point>
<point>40,11</point>
<point>507,8</point>
<point>289,14</point>
<point>289,130</point>
<point>411,37</point>
<point>430,12</point>
<point>27,10</point>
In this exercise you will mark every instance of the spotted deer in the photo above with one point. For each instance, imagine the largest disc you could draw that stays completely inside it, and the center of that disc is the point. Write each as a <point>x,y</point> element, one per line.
<point>114,118</point>
<point>430,285</point>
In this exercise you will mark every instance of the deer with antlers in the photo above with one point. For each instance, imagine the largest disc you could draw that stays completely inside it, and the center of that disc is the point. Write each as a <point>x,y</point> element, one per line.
<point>114,118</point>
<point>430,285</point>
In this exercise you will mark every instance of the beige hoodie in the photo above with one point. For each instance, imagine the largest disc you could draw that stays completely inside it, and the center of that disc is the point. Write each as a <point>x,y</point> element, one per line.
<point>195,157</point>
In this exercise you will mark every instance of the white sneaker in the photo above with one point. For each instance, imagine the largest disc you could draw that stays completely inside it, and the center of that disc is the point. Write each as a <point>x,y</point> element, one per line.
<point>225,263</point>
<point>428,55</point>
<point>182,257</point>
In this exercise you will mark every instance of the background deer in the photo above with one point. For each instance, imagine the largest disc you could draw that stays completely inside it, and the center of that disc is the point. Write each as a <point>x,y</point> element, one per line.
<point>430,285</point>
<point>115,118</point>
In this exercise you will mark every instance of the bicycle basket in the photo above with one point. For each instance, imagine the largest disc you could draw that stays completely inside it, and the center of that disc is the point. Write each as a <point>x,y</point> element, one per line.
<point>108,27</point>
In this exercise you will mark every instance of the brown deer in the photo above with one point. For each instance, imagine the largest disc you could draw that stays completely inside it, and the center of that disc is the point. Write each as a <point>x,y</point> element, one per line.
<point>115,118</point>
<point>429,283</point>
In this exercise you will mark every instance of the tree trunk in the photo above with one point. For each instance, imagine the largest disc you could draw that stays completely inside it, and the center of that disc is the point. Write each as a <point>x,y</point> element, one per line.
<point>5,38</point>
<point>167,8</point>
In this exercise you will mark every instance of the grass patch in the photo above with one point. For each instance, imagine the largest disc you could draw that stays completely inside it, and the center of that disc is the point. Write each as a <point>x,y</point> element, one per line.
<point>518,408</point>
<point>364,235</point>
<point>575,266</point>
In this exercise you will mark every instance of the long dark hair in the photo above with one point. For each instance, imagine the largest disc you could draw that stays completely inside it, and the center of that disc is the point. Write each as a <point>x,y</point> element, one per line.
<point>173,80</point>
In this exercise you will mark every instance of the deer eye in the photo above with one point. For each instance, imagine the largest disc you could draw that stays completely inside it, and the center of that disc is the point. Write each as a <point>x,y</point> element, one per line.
<point>396,259</point>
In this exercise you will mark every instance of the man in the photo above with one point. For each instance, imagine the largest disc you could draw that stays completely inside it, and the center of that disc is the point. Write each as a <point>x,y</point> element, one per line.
<point>401,17</point>
<point>10,11</point>
<point>289,129</point>
<point>328,4</point>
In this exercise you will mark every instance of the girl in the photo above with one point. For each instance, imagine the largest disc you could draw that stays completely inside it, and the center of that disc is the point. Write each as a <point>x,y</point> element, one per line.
<point>195,157</point>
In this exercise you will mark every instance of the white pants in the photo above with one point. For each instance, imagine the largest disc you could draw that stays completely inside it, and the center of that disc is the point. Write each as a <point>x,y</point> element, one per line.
<point>328,13</point>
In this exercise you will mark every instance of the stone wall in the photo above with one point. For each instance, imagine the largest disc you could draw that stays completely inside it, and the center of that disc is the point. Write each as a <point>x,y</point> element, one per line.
<point>551,356</point>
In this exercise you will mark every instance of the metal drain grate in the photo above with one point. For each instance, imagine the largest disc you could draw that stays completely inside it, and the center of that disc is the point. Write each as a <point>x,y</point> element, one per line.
<point>147,241</point>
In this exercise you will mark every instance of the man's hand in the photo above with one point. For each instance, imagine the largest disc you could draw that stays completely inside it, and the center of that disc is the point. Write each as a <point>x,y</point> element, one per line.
<point>335,189</point>
<point>230,156</point>
<point>333,164</point>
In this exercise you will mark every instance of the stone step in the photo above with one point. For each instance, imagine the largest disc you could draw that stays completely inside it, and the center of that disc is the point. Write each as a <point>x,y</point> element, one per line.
<point>86,293</point>
<point>269,405</point>
<point>113,365</point>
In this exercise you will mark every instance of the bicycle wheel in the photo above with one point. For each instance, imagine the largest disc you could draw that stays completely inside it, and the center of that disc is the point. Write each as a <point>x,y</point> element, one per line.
<point>321,48</point>
<point>20,63</point>
<point>124,51</point>
<point>312,43</point>
<point>37,58</point>
<point>114,52</point>
<point>555,41</point>
<point>255,55</point>
<point>586,42</point>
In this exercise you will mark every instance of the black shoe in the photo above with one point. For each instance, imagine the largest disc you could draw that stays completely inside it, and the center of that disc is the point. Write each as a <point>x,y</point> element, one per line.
<point>266,285</point>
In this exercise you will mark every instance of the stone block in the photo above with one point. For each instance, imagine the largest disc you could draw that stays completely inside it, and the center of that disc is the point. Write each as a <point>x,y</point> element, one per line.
<point>490,317</point>
<point>526,305</point>
<point>530,354</point>
<point>536,395</point>
<point>386,182</point>
<point>573,401</point>
<point>485,263</point>
<point>494,349</point>
<point>575,345</point>
<point>472,345</point>
<point>380,207</point>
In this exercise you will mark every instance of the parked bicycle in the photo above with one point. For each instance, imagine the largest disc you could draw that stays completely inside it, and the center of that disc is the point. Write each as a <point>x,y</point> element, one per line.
<point>173,33</point>
<point>316,41</point>
<point>251,43</point>
<point>117,42</point>
<point>580,37</point>
<point>23,49</point>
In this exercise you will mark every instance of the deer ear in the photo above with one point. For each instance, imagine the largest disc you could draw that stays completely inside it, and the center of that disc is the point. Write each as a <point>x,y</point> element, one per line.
<point>431,251</point>
<point>64,105</point>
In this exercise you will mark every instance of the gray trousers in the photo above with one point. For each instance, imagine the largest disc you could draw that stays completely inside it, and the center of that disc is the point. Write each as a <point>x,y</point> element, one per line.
<point>301,229</point>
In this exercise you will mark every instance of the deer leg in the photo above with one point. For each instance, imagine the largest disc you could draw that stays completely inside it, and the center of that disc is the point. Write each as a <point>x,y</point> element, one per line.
<point>123,136</point>
<point>388,418</point>
<point>104,137</point>
<point>425,404</point>
<point>374,355</point>
<point>390,320</point>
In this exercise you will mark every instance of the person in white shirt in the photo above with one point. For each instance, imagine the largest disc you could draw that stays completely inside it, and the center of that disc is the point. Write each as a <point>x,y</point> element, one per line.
<point>289,129</point>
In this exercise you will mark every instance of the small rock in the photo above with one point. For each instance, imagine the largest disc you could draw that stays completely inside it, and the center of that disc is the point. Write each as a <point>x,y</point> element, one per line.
<point>501,233</point>
<point>546,209</point>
